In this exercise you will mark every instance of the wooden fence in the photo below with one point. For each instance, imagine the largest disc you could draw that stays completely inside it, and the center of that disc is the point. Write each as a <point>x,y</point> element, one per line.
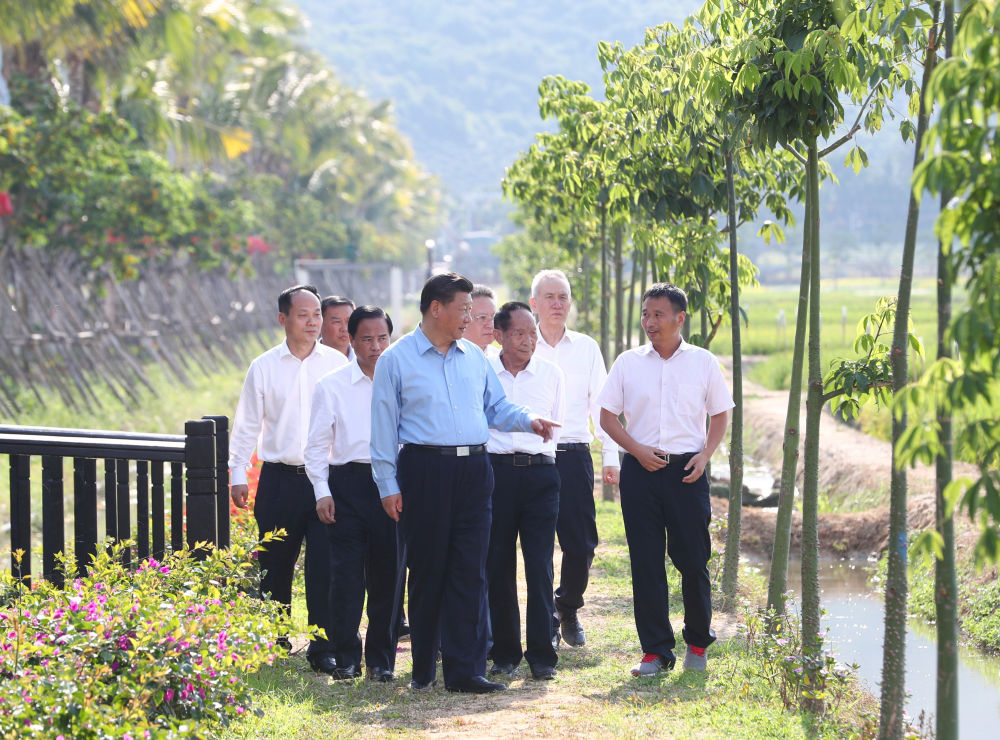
<point>191,496</point>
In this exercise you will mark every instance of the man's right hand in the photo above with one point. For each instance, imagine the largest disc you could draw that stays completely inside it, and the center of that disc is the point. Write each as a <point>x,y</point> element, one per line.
<point>393,506</point>
<point>325,510</point>
<point>240,494</point>
<point>647,458</point>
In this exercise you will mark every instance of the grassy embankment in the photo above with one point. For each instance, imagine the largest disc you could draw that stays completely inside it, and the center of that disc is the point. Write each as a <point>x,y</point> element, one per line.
<point>979,597</point>
<point>593,696</point>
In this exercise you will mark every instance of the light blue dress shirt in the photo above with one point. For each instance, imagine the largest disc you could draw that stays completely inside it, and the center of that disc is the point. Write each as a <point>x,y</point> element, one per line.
<point>420,396</point>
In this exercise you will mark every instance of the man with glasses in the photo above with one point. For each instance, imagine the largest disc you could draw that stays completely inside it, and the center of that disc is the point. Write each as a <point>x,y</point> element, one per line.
<point>484,308</point>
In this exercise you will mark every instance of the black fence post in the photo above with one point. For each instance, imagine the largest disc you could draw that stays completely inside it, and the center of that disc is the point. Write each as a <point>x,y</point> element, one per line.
<point>199,461</point>
<point>221,477</point>
<point>20,516</point>
<point>176,506</point>
<point>142,508</point>
<point>110,501</point>
<point>158,508</point>
<point>84,511</point>
<point>53,519</point>
<point>124,510</point>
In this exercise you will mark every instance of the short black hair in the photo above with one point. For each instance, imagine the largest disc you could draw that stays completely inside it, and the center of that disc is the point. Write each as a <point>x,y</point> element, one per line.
<point>366,312</point>
<point>667,290</point>
<point>483,291</point>
<point>285,298</point>
<point>501,319</point>
<point>334,300</point>
<point>442,288</point>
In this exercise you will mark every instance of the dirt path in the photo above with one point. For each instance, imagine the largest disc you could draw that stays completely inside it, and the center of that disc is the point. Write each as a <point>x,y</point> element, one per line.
<point>850,461</point>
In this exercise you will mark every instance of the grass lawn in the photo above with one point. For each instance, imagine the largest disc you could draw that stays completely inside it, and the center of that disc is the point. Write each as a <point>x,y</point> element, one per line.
<point>593,696</point>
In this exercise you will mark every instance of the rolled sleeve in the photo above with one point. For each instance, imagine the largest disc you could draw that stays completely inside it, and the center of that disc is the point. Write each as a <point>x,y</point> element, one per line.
<point>612,395</point>
<point>246,426</point>
<point>319,441</point>
<point>384,444</point>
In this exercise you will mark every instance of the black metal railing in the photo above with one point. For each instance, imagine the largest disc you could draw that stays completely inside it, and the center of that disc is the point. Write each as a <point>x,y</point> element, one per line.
<point>198,503</point>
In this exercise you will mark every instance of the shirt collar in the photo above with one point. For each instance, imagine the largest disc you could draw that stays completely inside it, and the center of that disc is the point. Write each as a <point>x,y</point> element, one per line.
<point>284,351</point>
<point>568,336</point>
<point>424,344</point>
<point>357,373</point>
<point>531,368</point>
<point>647,349</point>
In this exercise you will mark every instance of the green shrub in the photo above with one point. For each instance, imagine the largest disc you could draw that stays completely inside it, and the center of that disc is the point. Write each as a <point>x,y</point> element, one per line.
<point>158,652</point>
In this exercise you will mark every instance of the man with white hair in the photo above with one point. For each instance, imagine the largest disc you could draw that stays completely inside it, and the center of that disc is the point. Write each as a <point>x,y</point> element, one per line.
<point>580,359</point>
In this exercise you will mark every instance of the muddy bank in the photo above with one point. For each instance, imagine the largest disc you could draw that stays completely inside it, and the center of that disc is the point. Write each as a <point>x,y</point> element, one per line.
<point>852,464</point>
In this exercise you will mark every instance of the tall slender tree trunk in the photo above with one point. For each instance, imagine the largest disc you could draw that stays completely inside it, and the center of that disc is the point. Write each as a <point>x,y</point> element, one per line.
<point>585,308</point>
<point>814,408</point>
<point>619,240</point>
<point>730,570</point>
<point>945,582</point>
<point>778,580</point>
<point>605,290</point>
<point>894,644</point>
<point>638,268</point>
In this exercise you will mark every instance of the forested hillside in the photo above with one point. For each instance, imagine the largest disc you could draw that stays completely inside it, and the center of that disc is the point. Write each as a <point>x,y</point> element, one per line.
<point>463,81</point>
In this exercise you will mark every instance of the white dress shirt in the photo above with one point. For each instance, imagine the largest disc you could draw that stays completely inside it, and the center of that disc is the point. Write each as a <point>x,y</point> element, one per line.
<point>665,401</point>
<point>273,412</point>
<point>540,389</point>
<point>579,357</point>
<point>491,351</point>
<point>340,424</point>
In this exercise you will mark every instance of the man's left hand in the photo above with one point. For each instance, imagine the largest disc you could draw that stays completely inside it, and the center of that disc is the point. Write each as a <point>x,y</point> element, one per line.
<point>544,428</point>
<point>610,475</point>
<point>697,466</point>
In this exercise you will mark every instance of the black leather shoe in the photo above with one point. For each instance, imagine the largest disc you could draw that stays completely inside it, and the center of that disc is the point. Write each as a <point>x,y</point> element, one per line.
<point>572,630</point>
<point>284,643</point>
<point>422,685</point>
<point>382,675</point>
<point>503,669</point>
<point>324,664</point>
<point>475,685</point>
<point>404,630</point>
<point>543,672</point>
<point>345,672</point>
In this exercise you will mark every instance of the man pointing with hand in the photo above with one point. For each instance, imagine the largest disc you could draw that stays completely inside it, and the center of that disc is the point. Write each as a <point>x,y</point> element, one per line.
<point>435,394</point>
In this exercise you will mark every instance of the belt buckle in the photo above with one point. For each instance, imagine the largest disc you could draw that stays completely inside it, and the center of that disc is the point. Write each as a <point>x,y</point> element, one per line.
<point>462,451</point>
<point>665,457</point>
<point>523,456</point>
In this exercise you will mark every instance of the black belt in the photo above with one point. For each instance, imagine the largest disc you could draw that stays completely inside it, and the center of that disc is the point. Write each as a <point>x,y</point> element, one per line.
<point>673,458</point>
<point>567,446</point>
<point>522,459</point>
<point>355,466</point>
<point>454,451</point>
<point>286,468</point>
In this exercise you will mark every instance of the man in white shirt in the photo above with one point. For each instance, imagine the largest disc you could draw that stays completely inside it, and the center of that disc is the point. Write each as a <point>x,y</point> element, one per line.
<point>484,308</point>
<point>525,501</point>
<point>336,313</point>
<point>665,389</point>
<point>363,544</point>
<point>579,357</point>
<point>273,416</point>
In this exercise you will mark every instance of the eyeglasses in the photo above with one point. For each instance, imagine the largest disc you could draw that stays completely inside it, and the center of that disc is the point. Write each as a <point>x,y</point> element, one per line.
<point>483,317</point>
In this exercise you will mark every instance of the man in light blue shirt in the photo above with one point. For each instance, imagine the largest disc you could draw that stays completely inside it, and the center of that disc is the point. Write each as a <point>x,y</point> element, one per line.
<point>435,394</point>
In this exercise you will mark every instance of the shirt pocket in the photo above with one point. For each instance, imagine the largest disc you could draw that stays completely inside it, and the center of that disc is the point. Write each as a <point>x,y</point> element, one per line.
<point>689,399</point>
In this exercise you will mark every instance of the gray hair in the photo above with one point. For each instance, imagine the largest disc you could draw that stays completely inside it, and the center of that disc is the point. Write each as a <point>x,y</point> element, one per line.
<point>544,275</point>
<point>482,291</point>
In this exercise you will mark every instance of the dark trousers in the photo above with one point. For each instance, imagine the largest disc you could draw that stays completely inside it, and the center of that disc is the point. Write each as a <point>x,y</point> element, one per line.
<point>285,500</point>
<point>446,528</point>
<point>662,513</point>
<point>364,558</point>
<point>577,525</point>
<point>525,503</point>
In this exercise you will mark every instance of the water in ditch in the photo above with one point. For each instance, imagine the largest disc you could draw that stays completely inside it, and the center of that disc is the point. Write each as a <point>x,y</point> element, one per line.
<point>854,616</point>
